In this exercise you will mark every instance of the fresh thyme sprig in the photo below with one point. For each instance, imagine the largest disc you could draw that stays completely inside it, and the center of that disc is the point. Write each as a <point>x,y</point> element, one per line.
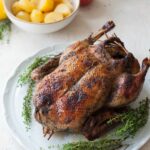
<point>131,122</point>
<point>5,28</point>
<point>27,108</point>
<point>104,144</point>
<point>25,78</point>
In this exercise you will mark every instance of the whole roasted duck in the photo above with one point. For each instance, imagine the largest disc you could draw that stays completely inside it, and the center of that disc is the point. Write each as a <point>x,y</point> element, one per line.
<point>81,88</point>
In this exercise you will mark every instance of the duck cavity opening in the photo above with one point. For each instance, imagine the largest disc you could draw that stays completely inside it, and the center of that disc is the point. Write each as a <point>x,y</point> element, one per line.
<point>115,51</point>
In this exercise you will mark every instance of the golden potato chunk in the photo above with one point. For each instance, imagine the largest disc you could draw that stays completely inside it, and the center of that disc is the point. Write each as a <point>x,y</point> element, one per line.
<point>53,17</point>
<point>63,9</point>
<point>69,4</point>
<point>2,11</point>
<point>35,2</point>
<point>42,11</point>
<point>27,6</point>
<point>16,7</point>
<point>46,5</point>
<point>56,2</point>
<point>23,15</point>
<point>37,16</point>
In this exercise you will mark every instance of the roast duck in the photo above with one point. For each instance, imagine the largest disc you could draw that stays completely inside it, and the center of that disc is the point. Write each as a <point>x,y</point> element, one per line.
<point>80,89</point>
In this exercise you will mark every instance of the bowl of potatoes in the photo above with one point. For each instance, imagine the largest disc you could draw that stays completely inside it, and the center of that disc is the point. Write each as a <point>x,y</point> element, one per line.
<point>41,16</point>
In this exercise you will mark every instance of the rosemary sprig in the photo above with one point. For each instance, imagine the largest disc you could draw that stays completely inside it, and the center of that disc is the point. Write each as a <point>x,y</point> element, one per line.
<point>25,78</point>
<point>131,122</point>
<point>5,28</point>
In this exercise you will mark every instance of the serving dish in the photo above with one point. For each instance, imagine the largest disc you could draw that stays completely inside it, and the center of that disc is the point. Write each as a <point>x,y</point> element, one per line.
<point>40,27</point>
<point>33,139</point>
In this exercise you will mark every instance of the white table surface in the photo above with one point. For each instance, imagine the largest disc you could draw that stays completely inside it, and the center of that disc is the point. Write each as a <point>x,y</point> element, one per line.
<point>132,18</point>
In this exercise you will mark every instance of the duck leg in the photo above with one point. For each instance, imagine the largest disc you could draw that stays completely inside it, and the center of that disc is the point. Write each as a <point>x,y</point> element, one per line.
<point>78,46</point>
<point>105,28</point>
<point>96,125</point>
<point>115,47</point>
<point>112,51</point>
<point>38,73</point>
<point>128,86</point>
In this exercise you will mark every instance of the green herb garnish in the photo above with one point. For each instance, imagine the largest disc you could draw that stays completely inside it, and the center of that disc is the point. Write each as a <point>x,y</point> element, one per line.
<point>25,78</point>
<point>104,144</point>
<point>27,108</point>
<point>131,122</point>
<point>5,28</point>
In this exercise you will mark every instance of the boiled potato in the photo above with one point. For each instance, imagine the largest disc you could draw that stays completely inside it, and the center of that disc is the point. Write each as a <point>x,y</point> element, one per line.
<point>23,15</point>
<point>27,6</point>
<point>56,2</point>
<point>46,5</point>
<point>37,16</point>
<point>42,11</point>
<point>53,17</point>
<point>16,7</point>
<point>35,2</point>
<point>63,9</point>
<point>45,14</point>
<point>2,11</point>
<point>69,4</point>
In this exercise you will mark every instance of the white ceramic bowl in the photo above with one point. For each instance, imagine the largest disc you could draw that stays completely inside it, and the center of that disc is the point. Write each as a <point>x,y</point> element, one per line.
<point>40,27</point>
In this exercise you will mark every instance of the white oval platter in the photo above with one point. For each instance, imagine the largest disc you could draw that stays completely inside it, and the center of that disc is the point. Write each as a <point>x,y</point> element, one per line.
<point>33,139</point>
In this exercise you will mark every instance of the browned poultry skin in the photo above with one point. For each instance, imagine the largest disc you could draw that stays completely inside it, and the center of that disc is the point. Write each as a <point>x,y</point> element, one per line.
<point>62,78</point>
<point>128,86</point>
<point>76,63</point>
<point>86,96</point>
<point>88,77</point>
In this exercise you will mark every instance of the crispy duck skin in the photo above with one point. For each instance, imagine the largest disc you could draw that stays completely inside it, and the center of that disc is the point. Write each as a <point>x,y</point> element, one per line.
<point>50,66</point>
<point>87,78</point>
<point>128,86</point>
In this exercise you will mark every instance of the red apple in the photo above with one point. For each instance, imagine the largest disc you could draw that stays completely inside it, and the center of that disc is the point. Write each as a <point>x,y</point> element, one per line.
<point>85,2</point>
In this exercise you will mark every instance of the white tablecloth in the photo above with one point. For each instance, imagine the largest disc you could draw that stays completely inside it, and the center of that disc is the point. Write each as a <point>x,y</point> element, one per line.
<point>132,18</point>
